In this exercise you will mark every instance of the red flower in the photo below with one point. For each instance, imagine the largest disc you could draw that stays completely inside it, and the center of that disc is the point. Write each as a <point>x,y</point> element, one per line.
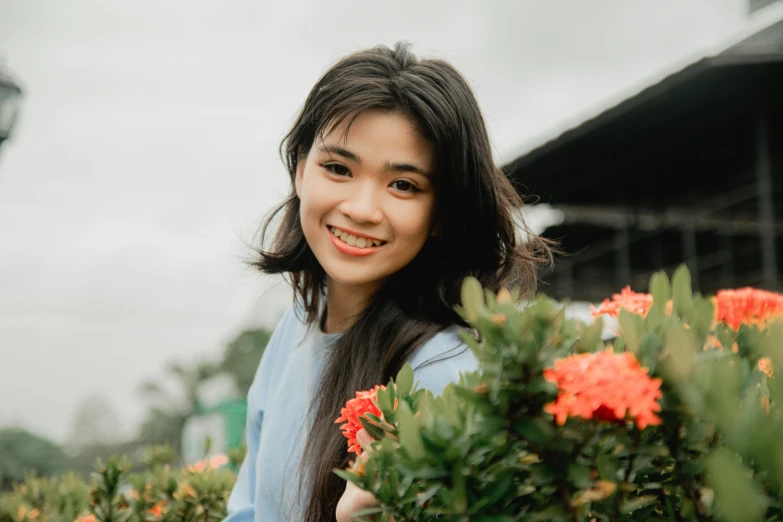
<point>213,462</point>
<point>364,403</point>
<point>634,302</point>
<point>606,386</point>
<point>157,509</point>
<point>747,306</point>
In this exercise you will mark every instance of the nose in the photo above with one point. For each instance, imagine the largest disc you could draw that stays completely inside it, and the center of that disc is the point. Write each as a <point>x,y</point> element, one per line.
<point>361,204</point>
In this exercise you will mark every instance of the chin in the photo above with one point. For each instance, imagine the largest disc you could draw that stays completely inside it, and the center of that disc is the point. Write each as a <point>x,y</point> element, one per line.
<point>352,275</point>
<point>352,279</point>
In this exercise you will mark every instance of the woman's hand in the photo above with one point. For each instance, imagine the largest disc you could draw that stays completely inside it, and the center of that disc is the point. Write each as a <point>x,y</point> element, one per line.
<point>355,499</point>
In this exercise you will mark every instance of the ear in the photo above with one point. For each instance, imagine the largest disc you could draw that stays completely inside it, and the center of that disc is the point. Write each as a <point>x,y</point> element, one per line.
<point>300,163</point>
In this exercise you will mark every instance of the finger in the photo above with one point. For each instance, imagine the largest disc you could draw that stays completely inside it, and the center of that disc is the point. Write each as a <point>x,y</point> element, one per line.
<point>352,500</point>
<point>364,440</point>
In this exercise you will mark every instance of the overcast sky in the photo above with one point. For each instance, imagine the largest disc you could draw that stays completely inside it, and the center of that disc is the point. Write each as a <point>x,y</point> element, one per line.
<point>146,153</point>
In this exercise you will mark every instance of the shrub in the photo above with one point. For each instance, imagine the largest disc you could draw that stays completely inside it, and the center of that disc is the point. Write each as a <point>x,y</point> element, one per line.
<point>163,492</point>
<point>678,418</point>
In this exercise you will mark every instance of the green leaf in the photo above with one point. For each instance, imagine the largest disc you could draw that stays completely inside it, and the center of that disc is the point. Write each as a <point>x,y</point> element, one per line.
<point>660,289</point>
<point>606,467</point>
<point>682,294</point>
<point>373,418</point>
<point>472,298</point>
<point>410,438</point>
<point>551,513</point>
<point>405,485</point>
<point>650,349</point>
<point>736,496</point>
<point>579,475</point>
<point>368,512</point>
<point>656,318</point>
<point>631,327</point>
<point>349,476</point>
<point>404,380</point>
<point>385,402</point>
<point>372,430</point>
<point>381,423</point>
<point>725,382</point>
<point>703,316</point>
<point>772,344</point>
<point>489,299</point>
<point>680,346</point>
<point>424,496</point>
<point>536,430</point>
<point>460,500</point>
<point>632,505</point>
<point>590,336</point>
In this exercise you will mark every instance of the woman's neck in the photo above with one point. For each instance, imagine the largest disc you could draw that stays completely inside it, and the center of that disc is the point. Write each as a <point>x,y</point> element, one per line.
<point>344,304</point>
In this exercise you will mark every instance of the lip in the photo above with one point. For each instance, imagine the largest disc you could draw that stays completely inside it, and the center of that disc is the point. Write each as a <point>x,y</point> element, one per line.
<point>345,248</point>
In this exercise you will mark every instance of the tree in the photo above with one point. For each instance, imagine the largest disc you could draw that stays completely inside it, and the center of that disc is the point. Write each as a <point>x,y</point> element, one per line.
<point>95,422</point>
<point>168,413</point>
<point>23,452</point>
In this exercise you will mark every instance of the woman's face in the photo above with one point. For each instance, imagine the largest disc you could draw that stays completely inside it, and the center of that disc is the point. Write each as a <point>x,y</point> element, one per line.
<point>367,198</point>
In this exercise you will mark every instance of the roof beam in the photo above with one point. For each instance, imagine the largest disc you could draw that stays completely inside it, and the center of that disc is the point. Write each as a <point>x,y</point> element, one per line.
<point>671,218</point>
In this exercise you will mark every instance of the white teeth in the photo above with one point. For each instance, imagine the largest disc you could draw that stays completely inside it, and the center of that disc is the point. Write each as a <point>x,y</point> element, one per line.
<point>361,242</point>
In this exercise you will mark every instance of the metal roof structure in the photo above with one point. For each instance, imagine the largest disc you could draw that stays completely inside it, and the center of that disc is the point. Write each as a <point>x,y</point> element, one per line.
<point>680,172</point>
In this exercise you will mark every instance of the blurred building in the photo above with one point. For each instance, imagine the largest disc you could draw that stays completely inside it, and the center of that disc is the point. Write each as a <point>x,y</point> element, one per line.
<point>756,5</point>
<point>10,96</point>
<point>689,170</point>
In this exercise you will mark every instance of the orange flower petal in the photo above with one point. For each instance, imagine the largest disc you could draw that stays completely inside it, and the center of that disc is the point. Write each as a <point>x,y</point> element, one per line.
<point>634,302</point>
<point>364,403</point>
<point>606,386</point>
<point>747,306</point>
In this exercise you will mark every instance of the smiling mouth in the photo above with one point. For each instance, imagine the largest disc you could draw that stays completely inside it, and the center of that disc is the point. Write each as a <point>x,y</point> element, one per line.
<point>351,240</point>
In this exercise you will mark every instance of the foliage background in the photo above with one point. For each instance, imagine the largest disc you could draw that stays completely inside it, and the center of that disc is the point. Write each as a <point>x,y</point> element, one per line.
<point>23,452</point>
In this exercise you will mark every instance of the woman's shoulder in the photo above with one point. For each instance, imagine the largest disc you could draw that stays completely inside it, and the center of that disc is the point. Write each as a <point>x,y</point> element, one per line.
<point>439,361</point>
<point>287,334</point>
<point>288,326</point>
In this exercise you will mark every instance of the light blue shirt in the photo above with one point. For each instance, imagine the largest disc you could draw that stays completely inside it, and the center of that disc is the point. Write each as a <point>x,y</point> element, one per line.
<point>267,487</point>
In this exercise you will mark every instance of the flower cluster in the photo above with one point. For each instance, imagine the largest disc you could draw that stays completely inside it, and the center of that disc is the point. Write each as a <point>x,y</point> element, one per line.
<point>733,307</point>
<point>634,302</point>
<point>747,306</point>
<point>364,403</point>
<point>554,424</point>
<point>214,462</point>
<point>606,386</point>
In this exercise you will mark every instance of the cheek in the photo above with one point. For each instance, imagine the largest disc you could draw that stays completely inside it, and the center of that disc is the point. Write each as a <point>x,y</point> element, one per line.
<point>414,223</point>
<point>314,199</point>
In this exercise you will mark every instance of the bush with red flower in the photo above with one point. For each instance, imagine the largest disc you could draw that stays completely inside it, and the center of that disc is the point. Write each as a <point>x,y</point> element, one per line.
<point>162,492</point>
<point>677,418</point>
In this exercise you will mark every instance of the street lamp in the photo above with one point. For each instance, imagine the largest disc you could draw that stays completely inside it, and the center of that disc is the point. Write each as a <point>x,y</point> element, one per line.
<point>10,95</point>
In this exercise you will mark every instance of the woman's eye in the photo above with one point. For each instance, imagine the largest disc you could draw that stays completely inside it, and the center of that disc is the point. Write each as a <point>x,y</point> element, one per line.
<point>404,186</point>
<point>337,169</point>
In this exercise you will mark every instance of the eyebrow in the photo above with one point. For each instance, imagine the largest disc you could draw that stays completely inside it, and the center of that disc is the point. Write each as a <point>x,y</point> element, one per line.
<point>388,166</point>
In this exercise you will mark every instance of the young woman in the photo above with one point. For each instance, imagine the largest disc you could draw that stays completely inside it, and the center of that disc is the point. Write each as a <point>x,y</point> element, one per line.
<point>394,200</point>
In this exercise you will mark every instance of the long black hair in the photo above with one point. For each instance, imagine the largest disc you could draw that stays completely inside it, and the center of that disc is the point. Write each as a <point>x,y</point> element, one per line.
<point>477,223</point>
